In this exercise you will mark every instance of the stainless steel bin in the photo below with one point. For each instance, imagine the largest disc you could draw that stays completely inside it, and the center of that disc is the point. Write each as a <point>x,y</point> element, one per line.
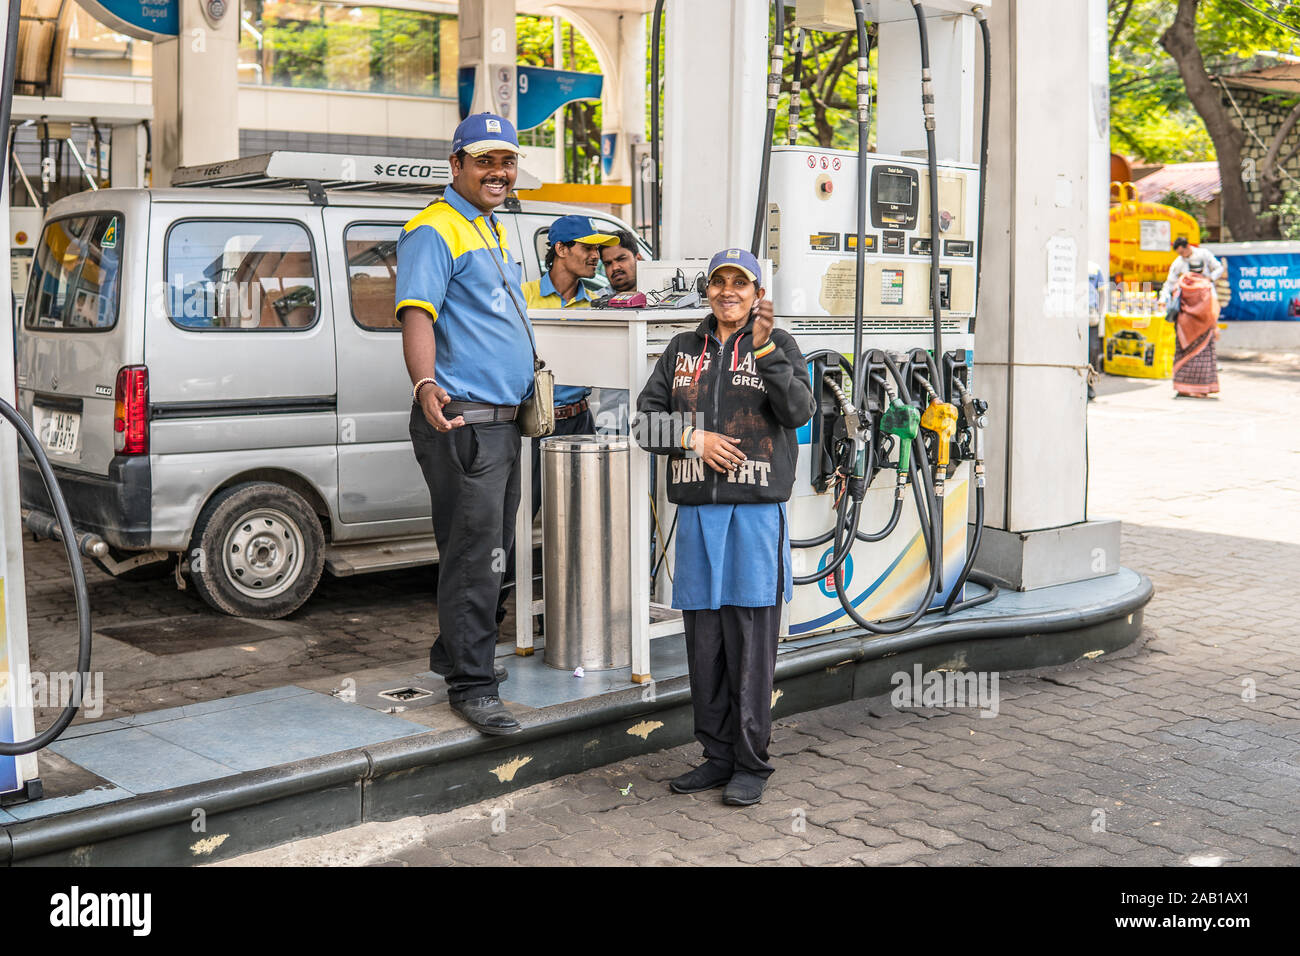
<point>585,551</point>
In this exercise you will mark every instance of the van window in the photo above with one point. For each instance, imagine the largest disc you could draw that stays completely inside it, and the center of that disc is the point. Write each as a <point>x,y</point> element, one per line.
<point>371,249</point>
<point>240,274</point>
<point>74,283</point>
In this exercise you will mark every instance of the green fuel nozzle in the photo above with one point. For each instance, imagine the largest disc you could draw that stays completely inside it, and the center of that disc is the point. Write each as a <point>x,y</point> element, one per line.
<point>904,422</point>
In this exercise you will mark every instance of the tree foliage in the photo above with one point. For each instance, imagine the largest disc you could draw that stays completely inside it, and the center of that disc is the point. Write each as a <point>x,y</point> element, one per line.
<point>1151,115</point>
<point>1165,61</point>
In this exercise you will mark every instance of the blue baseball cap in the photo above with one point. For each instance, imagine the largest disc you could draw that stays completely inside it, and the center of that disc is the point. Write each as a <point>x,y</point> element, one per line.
<point>483,132</point>
<point>740,259</point>
<point>579,229</point>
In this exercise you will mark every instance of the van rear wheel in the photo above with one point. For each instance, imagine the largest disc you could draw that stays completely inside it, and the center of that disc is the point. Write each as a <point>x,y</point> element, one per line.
<point>261,551</point>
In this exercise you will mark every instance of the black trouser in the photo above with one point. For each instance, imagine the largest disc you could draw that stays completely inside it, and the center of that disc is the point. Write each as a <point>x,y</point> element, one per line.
<point>473,478</point>
<point>731,657</point>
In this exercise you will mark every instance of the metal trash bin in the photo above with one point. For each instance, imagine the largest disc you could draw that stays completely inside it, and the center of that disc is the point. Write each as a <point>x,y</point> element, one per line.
<point>585,551</point>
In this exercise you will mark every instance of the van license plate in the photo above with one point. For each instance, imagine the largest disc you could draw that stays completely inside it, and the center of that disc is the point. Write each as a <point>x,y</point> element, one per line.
<point>59,430</point>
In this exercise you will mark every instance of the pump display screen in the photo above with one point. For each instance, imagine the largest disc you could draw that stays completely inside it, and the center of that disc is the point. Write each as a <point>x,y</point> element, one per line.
<point>894,189</point>
<point>895,196</point>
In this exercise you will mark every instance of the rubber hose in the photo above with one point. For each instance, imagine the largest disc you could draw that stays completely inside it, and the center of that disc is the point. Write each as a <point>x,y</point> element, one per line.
<point>55,730</point>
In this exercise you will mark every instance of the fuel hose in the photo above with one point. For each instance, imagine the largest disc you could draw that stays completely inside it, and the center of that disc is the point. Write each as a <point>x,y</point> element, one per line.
<point>41,741</point>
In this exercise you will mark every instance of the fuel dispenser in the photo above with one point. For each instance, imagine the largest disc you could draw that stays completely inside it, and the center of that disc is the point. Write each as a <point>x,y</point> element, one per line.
<point>875,262</point>
<point>875,271</point>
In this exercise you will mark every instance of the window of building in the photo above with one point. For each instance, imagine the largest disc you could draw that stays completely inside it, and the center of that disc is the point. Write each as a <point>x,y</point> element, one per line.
<point>341,46</point>
<point>99,50</point>
<point>240,274</point>
<point>372,273</point>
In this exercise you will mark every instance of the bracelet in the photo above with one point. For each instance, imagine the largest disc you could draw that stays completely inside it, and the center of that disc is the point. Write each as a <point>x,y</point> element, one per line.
<point>419,385</point>
<point>687,434</point>
<point>765,350</point>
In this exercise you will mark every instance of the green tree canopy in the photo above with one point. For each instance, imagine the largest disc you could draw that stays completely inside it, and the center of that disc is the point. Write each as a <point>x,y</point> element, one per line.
<point>1151,115</point>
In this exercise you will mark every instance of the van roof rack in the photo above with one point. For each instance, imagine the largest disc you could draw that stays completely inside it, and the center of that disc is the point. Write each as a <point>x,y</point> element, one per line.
<point>317,172</point>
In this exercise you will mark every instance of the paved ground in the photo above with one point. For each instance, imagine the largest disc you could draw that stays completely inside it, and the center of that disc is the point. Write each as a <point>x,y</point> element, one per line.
<point>1183,750</point>
<point>350,625</point>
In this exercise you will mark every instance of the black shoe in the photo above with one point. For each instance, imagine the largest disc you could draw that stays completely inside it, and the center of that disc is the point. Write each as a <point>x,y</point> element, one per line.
<point>706,776</point>
<point>744,789</point>
<point>499,672</point>
<point>488,715</point>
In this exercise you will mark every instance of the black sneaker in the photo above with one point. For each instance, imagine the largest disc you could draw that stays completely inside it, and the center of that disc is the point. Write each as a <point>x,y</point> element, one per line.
<point>487,715</point>
<point>745,789</point>
<point>706,776</point>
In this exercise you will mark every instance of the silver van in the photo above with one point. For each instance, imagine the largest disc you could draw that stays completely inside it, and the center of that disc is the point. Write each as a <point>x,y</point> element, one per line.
<point>217,378</point>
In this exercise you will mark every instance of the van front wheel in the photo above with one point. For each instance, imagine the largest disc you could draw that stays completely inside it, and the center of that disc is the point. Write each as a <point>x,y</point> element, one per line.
<point>260,551</point>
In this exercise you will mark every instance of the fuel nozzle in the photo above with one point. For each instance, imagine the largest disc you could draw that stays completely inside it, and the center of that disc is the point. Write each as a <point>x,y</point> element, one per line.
<point>975,412</point>
<point>941,418</point>
<point>903,421</point>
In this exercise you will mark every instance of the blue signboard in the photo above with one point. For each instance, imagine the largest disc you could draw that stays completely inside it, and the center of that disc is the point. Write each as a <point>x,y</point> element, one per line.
<point>1265,287</point>
<point>142,19</point>
<point>542,91</point>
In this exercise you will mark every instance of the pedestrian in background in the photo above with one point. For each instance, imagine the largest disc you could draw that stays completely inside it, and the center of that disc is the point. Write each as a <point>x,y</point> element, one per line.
<point>1192,259</point>
<point>1196,370</point>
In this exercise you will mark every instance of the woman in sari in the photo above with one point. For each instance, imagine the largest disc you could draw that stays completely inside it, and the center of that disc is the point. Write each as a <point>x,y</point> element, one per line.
<point>1196,370</point>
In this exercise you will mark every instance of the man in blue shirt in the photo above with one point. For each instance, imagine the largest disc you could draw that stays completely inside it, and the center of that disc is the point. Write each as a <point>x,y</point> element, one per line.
<point>468,349</point>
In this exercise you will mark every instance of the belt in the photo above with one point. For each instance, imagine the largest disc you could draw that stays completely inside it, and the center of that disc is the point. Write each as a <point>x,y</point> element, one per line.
<point>477,413</point>
<point>571,411</point>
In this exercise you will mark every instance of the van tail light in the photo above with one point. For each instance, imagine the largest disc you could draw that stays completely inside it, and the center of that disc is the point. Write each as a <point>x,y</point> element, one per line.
<point>131,411</point>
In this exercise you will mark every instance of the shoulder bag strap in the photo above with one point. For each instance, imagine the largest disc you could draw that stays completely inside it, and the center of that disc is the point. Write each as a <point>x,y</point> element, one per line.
<point>537,362</point>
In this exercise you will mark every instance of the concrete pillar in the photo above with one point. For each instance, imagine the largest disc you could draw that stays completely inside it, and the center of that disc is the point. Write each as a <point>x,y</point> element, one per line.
<point>714,111</point>
<point>195,82</point>
<point>631,127</point>
<point>619,42</point>
<point>488,41</point>
<point>1099,137</point>
<point>1031,345</point>
<point>126,155</point>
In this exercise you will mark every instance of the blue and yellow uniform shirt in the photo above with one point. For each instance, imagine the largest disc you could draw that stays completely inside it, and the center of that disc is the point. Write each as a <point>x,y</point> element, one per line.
<point>541,294</point>
<point>445,266</point>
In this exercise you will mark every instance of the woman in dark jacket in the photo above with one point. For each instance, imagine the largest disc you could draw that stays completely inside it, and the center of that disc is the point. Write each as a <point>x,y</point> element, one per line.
<point>724,402</point>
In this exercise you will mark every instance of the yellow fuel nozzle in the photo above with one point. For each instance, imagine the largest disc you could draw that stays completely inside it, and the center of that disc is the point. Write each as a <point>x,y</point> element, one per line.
<point>941,418</point>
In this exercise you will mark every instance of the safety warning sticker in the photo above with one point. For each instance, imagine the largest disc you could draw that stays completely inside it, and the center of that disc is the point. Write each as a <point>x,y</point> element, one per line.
<point>839,286</point>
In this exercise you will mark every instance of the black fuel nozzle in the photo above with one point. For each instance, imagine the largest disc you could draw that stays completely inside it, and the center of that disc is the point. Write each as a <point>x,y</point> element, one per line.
<point>970,428</point>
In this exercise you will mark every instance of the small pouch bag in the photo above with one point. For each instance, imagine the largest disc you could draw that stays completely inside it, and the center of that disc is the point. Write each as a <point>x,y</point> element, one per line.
<point>536,418</point>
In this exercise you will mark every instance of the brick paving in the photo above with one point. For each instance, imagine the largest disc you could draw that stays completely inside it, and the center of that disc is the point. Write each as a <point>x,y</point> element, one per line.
<point>1184,746</point>
<point>348,626</point>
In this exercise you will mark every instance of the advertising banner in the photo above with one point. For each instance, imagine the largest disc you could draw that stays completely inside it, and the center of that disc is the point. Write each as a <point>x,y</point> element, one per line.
<point>1261,287</point>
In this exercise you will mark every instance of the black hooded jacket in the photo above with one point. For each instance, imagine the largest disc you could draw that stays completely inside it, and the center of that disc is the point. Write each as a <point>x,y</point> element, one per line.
<point>724,388</point>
